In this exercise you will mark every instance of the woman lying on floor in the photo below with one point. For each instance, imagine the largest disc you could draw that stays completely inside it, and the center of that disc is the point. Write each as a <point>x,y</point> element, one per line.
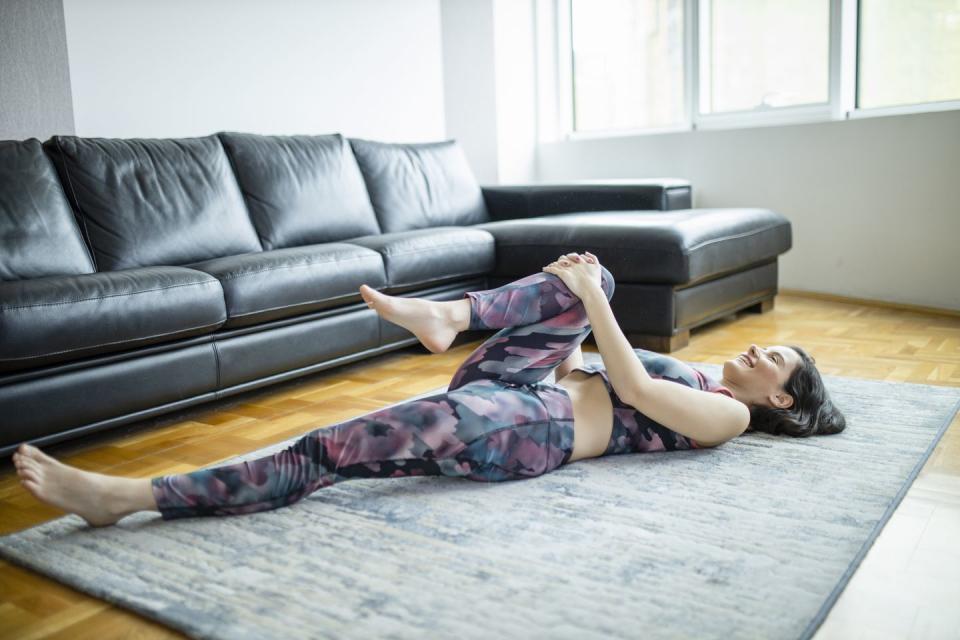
<point>498,419</point>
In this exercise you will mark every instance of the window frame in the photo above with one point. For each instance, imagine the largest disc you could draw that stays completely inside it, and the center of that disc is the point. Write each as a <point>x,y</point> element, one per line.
<point>841,79</point>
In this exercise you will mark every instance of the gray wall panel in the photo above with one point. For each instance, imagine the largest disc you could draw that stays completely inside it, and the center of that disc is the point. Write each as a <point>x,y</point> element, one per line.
<point>35,97</point>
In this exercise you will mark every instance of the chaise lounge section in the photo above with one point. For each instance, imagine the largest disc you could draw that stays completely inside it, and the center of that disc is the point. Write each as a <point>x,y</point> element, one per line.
<point>142,276</point>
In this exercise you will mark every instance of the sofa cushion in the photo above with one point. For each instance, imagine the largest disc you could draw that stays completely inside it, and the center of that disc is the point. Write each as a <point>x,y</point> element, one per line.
<point>509,202</point>
<point>670,247</point>
<point>414,186</point>
<point>260,287</point>
<point>38,233</point>
<point>429,256</point>
<point>154,201</point>
<point>301,189</point>
<point>60,318</point>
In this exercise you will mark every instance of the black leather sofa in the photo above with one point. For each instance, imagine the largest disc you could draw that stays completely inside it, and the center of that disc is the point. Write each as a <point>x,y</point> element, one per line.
<point>142,276</point>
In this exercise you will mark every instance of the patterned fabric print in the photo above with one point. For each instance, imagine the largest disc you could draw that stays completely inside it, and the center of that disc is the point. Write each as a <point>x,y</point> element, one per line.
<point>484,431</point>
<point>634,432</point>
<point>542,322</point>
<point>497,421</point>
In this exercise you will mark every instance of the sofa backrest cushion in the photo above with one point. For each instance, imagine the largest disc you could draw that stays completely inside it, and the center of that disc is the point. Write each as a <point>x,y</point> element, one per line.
<point>414,186</point>
<point>39,235</point>
<point>301,189</point>
<point>152,201</point>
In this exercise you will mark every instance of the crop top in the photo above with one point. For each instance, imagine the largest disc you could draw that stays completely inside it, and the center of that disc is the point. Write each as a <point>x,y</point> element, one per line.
<point>634,432</point>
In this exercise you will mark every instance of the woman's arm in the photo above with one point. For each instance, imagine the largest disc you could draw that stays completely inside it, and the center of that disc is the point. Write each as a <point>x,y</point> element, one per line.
<point>708,418</point>
<point>624,369</point>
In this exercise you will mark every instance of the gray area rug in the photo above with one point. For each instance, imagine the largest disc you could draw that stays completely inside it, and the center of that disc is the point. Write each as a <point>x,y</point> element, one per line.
<point>753,539</point>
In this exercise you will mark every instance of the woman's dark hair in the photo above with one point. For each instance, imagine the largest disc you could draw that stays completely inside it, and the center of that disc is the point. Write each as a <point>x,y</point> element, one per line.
<point>813,412</point>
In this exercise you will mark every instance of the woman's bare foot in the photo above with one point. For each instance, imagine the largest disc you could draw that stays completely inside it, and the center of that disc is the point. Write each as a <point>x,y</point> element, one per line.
<point>99,499</point>
<point>435,323</point>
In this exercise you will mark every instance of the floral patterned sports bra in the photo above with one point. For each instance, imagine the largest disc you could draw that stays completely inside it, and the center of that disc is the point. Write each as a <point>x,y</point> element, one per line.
<point>634,432</point>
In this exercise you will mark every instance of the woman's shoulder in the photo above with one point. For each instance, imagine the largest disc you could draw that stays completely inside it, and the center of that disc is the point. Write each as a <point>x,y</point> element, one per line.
<point>661,365</point>
<point>712,385</point>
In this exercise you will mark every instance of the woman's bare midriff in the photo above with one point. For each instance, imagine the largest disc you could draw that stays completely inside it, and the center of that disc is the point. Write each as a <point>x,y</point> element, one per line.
<point>592,414</point>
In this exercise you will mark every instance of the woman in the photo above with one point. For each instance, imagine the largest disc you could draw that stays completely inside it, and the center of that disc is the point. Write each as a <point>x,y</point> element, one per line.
<point>498,420</point>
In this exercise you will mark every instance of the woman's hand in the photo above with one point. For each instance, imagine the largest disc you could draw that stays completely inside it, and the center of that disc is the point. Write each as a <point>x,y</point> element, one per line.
<point>579,272</point>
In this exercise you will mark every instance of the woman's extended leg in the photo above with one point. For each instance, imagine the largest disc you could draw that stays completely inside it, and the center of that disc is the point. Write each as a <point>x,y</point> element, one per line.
<point>485,431</point>
<point>472,432</point>
<point>542,322</point>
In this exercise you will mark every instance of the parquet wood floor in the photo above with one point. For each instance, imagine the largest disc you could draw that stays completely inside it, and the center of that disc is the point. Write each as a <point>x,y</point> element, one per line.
<point>908,586</point>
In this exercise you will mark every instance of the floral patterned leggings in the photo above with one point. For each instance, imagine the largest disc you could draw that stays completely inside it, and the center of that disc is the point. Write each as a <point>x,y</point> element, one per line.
<point>497,421</point>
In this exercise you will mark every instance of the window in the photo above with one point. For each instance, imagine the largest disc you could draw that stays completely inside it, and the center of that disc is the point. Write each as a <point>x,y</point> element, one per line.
<point>762,54</point>
<point>627,63</point>
<point>909,52</point>
<point>634,65</point>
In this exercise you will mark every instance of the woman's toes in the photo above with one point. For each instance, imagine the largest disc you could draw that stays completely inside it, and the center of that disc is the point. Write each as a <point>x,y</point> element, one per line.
<point>367,293</point>
<point>39,457</point>
<point>35,454</point>
<point>26,460</point>
<point>29,466</point>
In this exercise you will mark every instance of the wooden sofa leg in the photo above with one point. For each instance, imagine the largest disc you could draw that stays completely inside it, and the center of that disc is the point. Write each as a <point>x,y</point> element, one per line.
<point>761,307</point>
<point>660,344</point>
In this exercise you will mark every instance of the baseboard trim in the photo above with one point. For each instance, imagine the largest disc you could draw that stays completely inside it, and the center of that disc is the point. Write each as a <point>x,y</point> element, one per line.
<point>938,311</point>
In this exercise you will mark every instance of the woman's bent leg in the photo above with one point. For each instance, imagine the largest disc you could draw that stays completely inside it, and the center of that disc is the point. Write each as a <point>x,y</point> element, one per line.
<point>526,301</point>
<point>542,322</point>
<point>483,431</point>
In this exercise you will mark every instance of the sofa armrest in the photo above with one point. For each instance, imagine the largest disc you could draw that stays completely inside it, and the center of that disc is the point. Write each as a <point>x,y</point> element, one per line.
<point>525,201</point>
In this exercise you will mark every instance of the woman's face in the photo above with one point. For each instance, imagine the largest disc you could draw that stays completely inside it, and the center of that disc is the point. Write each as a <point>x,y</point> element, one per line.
<point>757,375</point>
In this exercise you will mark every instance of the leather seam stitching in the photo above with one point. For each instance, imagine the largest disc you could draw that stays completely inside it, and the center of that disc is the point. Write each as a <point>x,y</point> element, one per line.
<point>419,283</point>
<point>112,295</point>
<point>733,237</point>
<point>287,306</point>
<point>684,252</point>
<point>83,217</point>
<point>216,355</point>
<point>434,248</point>
<point>343,297</point>
<point>289,266</point>
<point>103,344</point>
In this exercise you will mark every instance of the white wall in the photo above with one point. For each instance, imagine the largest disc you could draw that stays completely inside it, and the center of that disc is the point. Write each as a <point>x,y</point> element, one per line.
<point>514,39</point>
<point>469,83</point>
<point>490,86</point>
<point>363,68</point>
<point>874,203</point>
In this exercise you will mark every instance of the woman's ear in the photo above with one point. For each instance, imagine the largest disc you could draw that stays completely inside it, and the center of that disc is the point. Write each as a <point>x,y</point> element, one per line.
<point>782,400</point>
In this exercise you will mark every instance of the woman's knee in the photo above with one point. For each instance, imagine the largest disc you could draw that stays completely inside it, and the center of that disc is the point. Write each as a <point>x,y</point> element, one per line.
<point>606,282</point>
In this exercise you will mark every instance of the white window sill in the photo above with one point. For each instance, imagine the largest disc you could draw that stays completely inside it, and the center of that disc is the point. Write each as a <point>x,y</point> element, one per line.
<point>926,107</point>
<point>626,133</point>
<point>764,118</point>
<point>771,118</point>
